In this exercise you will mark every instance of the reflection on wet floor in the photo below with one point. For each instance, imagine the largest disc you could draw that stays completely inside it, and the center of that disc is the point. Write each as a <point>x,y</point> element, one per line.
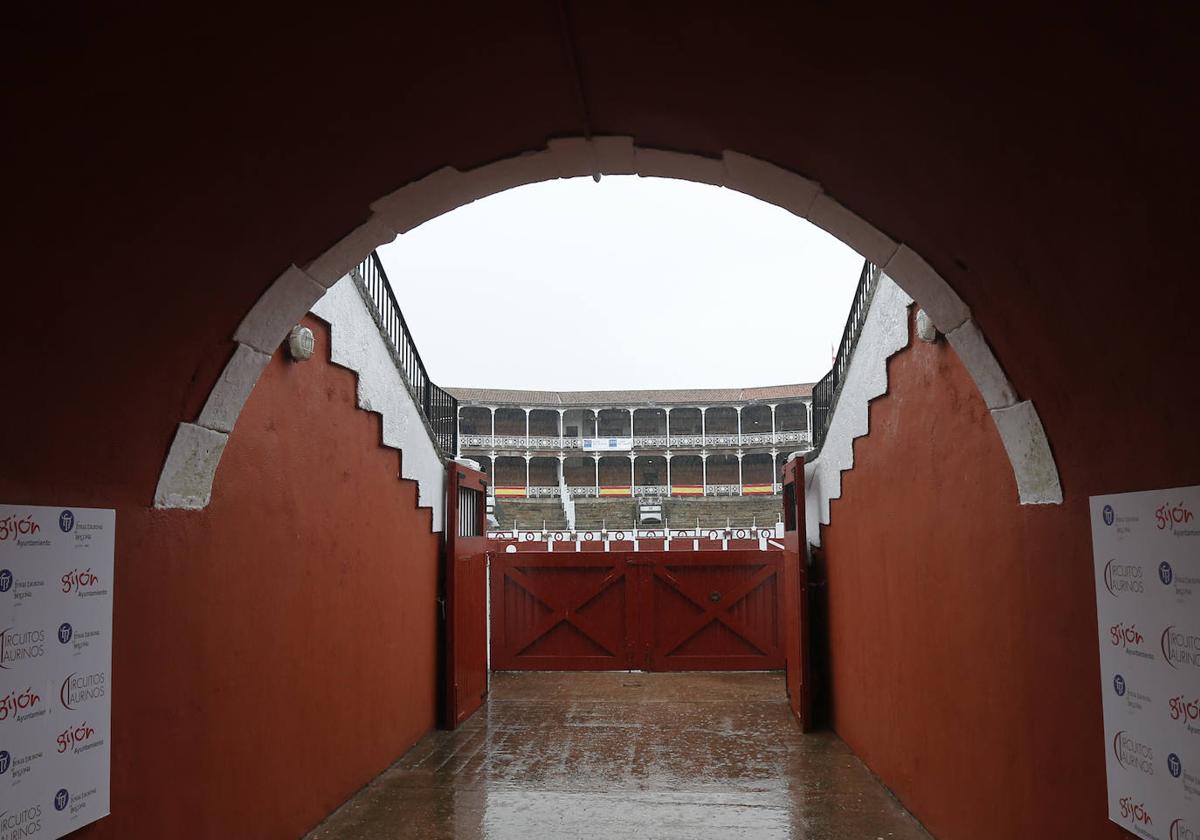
<point>621,755</point>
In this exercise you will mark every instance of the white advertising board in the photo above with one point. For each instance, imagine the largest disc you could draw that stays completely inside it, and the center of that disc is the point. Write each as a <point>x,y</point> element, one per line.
<point>56,588</point>
<point>1147,575</point>
<point>607,444</point>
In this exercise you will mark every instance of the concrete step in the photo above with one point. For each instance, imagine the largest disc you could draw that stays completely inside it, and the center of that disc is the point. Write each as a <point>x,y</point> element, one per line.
<point>720,511</point>
<point>530,514</point>
<point>613,513</point>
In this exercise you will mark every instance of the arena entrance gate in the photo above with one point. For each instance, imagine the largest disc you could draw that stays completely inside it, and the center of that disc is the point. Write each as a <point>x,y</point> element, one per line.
<point>797,629</point>
<point>464,595</point>
<point>638,610</point>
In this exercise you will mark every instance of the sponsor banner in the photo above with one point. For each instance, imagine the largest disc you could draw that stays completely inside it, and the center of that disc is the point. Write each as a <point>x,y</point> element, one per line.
<point>56,586</point>
<point>616,491</point>
<point>510,491</point>
<point>607,444</point>
<point>757,489</point>
<point>687,490</point>
<point>1146,549</point>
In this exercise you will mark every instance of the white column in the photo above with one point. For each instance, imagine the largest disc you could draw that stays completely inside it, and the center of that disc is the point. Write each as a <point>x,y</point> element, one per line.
<point>773,423</point>
<point>596,458</point>
<point>458,429</point>
<point>632,473</point>
<point>562,472</point>
<point>668,411</point>
<point>492,409</point>
<point>741,486</point>
<point>561,429</point>
<point>739,419</point>
<point>808,405</point>
<point>774,469</point>
<point>527,427</point>
<point>668,474</point>
<point>630,422</point>
<point>527,457</point>
<point>703,473</point>
<point>703,434</point>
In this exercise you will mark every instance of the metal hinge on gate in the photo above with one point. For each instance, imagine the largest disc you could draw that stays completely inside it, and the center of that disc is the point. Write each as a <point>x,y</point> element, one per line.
<point>441,602</point>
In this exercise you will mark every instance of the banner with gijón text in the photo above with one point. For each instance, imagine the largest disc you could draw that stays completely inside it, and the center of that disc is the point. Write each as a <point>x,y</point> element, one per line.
<point>1147,575</point>
<point>56,589</point>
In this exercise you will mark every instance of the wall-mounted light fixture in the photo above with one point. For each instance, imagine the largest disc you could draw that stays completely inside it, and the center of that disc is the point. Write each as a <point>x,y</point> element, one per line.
<point>301,343</point>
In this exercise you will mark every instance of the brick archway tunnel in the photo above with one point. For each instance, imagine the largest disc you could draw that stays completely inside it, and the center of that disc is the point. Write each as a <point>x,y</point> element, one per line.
<point>169,169</point>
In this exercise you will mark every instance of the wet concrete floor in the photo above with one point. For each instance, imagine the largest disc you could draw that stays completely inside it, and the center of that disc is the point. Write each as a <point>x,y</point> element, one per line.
<point>626,755</point>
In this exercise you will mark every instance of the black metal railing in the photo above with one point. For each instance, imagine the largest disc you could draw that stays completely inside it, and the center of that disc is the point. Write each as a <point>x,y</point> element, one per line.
<point>825,392</point>
<point>440,408</point>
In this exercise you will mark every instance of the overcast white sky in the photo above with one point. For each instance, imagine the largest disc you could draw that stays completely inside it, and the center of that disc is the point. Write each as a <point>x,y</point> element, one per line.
<point>628,283</point>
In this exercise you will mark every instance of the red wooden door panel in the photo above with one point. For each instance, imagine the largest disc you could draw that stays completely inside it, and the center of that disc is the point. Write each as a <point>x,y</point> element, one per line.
<point>464,593</point>
<point>711,611</point>
<point>561,612</point>
<point>652,610</point>
<point>795,595</point>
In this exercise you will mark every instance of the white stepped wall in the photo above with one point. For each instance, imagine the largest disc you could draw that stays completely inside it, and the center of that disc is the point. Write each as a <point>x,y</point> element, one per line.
<point>884,333</point>
<point>358,345</point>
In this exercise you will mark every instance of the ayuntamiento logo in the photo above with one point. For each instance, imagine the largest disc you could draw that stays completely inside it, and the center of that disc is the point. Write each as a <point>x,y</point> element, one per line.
<point>16,702</point>
<point>1169,515</point>
<point>15,527</point>
<point>74,737</point>
<point>1135,811</point>
<point>1184,708</point>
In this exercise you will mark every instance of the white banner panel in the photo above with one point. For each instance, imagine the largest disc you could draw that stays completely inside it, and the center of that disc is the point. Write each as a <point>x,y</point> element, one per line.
<point>1147,576</point>
<point>56,587</point>
<point>607,444</point>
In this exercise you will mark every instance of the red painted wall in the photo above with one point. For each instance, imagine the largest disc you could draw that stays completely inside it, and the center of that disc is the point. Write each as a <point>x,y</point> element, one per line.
<point>277,650</point>
<point>962,626</point>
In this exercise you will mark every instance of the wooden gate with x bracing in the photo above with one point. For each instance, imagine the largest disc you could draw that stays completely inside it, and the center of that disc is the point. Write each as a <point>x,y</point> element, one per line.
<point>647,610</point>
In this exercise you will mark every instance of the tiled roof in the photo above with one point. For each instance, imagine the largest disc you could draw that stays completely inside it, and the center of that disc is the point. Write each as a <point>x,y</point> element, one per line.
<point>682,396</point>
